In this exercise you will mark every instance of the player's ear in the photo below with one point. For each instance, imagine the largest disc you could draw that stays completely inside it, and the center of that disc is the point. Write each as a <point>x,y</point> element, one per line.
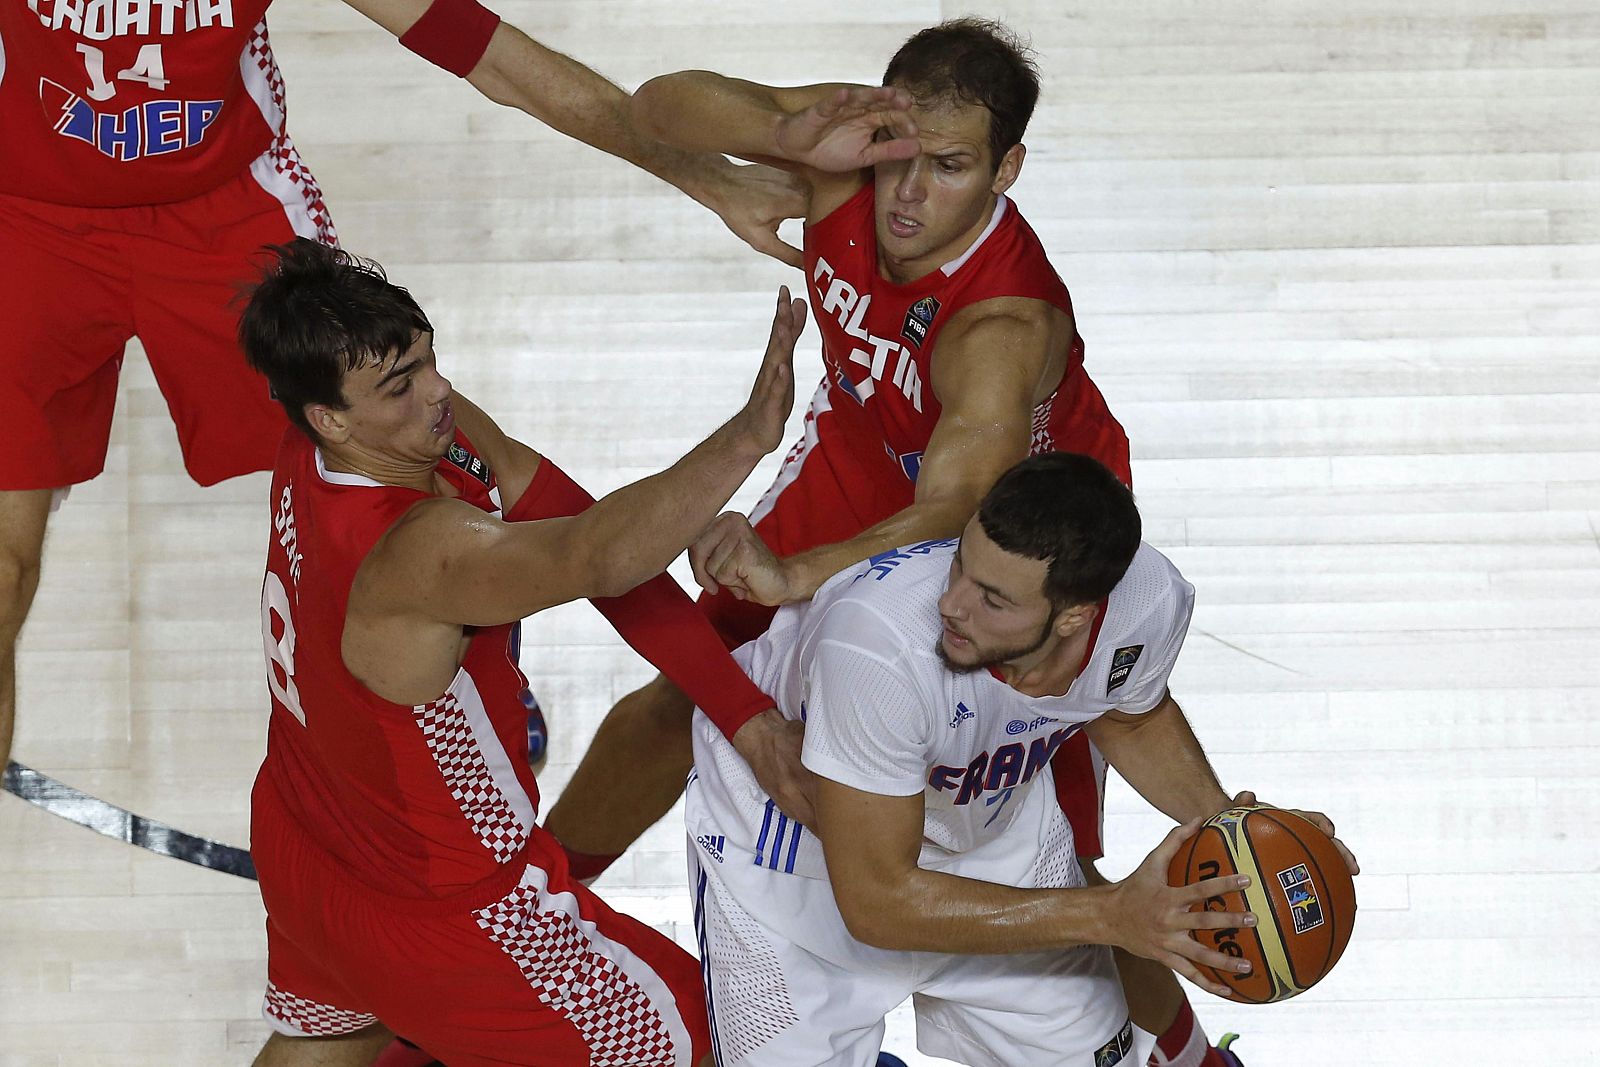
<point>1005,175</point>
<point>1070,620</point>
<point>327,423</point>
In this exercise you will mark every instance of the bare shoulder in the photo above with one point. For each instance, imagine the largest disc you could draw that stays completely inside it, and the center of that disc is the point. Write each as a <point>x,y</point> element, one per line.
<point>1001,315</point>
<point>1029,337</point>
<point>422,545</point>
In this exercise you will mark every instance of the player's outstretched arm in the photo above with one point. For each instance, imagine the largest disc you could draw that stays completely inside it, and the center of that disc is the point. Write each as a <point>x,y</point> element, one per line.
<point>872,842</point>
<point>450,563</point>
<point>832,128</point>
<point>513,69</point>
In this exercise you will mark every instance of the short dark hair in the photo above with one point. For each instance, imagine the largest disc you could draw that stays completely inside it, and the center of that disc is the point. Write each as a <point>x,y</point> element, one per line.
<point>318,313</point>
<point>1071,512</point>
<point>972,61</point>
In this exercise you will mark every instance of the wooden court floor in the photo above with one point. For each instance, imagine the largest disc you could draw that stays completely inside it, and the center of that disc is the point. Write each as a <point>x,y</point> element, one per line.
<point>1338,269</point>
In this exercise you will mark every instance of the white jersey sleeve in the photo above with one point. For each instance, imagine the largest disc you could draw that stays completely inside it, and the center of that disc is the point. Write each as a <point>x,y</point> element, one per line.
<point>1152,605</point>
<point>867,725</point>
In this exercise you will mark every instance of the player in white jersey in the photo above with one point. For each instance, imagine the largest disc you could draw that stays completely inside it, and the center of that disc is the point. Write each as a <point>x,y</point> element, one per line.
<point>934,683</point>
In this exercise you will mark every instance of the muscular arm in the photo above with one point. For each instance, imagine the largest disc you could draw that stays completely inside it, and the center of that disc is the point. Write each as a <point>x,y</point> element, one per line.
<point>987,377</point>
<point>1160,757</point>
<point>448,562</point>
<point>517,71</point>
<point>827,133</point>
<point>872,842</point>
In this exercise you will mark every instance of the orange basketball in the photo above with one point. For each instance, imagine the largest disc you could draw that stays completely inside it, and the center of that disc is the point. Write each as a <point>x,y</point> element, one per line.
<point>1300,892</point>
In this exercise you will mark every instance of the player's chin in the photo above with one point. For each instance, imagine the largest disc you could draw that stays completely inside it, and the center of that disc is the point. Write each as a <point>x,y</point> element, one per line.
<point>958,653</point>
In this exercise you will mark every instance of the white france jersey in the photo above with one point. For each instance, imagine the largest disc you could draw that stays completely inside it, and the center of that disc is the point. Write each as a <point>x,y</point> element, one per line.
<point>883,714</point>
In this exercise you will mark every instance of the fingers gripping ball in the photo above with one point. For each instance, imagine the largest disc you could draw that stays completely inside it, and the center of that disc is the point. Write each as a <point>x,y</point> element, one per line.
<point>1300,892</point>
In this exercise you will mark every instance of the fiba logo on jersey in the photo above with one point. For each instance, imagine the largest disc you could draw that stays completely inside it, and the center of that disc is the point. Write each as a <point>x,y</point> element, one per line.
<point>918,320</point>
<point>1113,1051</point>
<point>1122,662</point>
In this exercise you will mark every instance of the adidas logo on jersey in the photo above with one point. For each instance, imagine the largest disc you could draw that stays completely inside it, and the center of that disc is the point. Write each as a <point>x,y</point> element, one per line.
<point>961,715</point>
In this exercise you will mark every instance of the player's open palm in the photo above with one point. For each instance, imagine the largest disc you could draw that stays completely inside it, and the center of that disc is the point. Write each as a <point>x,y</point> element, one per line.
<point>857,127</point>
<point>772,395</point>
<point>731,555</point>
<point>1153,920</point>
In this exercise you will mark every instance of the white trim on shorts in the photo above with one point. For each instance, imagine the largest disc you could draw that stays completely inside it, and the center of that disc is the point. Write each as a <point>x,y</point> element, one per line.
<point>279,170</point>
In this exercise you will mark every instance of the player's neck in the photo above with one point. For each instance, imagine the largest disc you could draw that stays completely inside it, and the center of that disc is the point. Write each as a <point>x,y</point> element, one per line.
<point>390,470</point>
<point>1050,670</point>
<point>904,271</point>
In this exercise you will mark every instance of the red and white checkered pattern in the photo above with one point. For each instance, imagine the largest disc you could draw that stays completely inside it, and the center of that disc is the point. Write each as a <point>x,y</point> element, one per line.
<point>583,985</point>
<point>449,736</point>
<point>1043,440</point>
<point>282,154</point>
<point>307,1018</point>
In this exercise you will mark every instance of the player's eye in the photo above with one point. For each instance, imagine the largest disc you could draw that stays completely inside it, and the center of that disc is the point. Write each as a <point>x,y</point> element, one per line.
<point>405,387</point>
<point>991,602</point>
<point>949,166</point>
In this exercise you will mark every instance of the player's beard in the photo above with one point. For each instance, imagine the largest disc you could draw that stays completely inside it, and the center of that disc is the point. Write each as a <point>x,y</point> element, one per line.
<point>993,658</point>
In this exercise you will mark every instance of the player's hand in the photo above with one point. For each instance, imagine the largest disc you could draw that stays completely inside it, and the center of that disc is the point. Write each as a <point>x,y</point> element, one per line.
<point>1149,918</point>
<point>841,133</point>
<point>753,201</point>
<point>1315,818</point>
<point>731,555</point>
<point>761,420</point>
<point>770,744</point>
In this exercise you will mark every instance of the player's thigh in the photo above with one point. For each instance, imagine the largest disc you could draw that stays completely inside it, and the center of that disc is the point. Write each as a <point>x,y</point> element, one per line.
<point>306,904</point>
<point>65,317</point>
<point>547,974</point>
<point>200,257</point>
<point>1055,1009</point>
<point>772,1002</point>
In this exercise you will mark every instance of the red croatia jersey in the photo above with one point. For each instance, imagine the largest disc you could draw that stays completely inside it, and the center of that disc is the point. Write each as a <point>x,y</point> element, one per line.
<point>429,801</point>
<point>878,338</point>
<point>113,103</point>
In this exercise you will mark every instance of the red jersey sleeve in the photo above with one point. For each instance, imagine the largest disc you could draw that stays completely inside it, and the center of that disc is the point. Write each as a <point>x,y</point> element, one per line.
<point>657,619</point>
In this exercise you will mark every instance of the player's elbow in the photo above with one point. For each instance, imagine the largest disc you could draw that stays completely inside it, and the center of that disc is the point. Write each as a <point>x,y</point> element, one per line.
<point>874,915</point>
<point>650,106</point>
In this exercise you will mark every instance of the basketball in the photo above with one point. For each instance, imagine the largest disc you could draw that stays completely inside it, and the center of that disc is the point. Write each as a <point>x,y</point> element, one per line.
<point>1300,891</point>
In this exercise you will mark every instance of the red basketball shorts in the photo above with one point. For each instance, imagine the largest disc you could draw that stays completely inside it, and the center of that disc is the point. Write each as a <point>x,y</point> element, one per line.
<point>828,490</point>
<point>541,974</point>
<point>76,283</point>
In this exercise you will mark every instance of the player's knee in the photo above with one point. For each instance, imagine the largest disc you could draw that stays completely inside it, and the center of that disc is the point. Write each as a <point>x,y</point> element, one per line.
<point>19,577</point>
<point>663,703</point>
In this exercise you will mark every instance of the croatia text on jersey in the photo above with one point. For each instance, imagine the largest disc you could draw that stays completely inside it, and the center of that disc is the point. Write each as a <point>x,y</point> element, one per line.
<point>1007,767</point>
<point>843,301</point>
<point>101,20</point>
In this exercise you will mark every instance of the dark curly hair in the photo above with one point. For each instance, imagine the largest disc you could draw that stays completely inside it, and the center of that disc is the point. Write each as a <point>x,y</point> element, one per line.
<point>318,313</point>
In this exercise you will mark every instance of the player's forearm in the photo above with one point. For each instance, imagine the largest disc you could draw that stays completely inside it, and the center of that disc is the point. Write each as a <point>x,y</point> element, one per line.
<point>702,111</point>
<point>929,911</point>
<point>1159,755</point>
<point>568,96</point>
<point>642,527</point>
<point>922,521</point>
